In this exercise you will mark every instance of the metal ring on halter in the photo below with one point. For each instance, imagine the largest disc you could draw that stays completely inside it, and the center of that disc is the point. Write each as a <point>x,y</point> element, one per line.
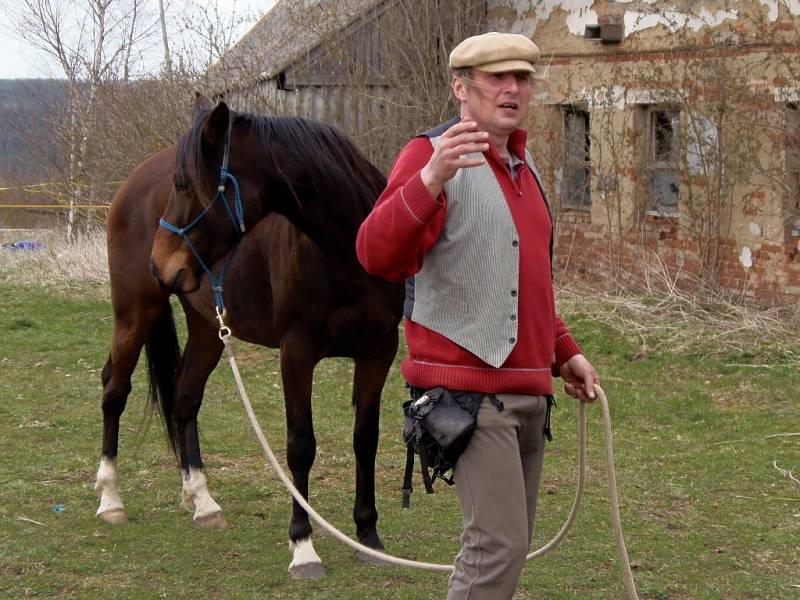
<point>224,330</point>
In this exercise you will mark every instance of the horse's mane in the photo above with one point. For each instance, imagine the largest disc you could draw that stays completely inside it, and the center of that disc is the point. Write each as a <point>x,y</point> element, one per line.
<point>189,164</point>
<point>335,167</point>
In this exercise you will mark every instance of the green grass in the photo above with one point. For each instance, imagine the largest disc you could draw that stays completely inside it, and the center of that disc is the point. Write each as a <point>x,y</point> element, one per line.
<point>705,513</point>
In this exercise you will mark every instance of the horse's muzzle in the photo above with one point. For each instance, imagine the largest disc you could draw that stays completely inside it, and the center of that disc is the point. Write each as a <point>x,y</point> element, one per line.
<point>174,285</point>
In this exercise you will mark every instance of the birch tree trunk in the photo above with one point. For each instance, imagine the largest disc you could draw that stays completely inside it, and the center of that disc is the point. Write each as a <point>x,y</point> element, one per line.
<point>73,185</point>
<point>164,40</point>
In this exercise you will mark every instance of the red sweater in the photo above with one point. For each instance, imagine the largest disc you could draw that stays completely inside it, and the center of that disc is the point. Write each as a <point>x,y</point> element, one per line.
<point>406,222</point>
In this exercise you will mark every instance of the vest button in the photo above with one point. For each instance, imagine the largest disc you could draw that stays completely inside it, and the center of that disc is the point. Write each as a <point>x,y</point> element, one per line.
<point>513,293</point>
<point>515,243</point>
<point>511,340</point>
<point>513,317</point>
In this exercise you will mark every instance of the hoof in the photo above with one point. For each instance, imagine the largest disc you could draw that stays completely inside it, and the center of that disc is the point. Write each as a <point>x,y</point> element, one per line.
<point>114,516</point>
<point>215,520</point>
<point>312,570</point>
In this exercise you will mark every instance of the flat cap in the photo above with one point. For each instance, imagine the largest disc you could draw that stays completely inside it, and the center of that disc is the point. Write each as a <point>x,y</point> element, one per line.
<point>496,53</point>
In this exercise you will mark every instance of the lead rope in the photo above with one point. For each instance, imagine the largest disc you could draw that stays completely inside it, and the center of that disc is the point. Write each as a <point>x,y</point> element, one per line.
<point>630,588</point>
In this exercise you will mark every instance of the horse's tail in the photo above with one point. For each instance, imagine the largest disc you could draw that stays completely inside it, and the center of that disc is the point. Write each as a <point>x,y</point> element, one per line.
<point>163,364</point>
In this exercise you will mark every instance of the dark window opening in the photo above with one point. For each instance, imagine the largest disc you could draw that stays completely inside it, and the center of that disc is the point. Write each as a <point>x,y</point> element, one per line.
<point>577,158</point>
<point>792,130</point>
<point>282,82</point>
<point>663,172</point>
<point>664,135</point>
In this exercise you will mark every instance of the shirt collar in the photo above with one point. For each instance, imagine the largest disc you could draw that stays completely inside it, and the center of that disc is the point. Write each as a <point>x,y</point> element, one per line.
<point>516,143</point>
<point>516,147</point>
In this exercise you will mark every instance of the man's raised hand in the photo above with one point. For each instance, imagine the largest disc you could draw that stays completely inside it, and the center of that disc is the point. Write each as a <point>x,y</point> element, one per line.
<point>462,138</point>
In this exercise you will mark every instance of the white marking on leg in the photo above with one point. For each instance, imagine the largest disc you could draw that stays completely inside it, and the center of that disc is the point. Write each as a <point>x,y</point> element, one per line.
<point>303,553</point>
<point>106,487</point>
<point>195,495</point>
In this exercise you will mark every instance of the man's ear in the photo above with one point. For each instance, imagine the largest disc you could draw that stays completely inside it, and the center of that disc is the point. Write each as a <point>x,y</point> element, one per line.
<point>459,89</point>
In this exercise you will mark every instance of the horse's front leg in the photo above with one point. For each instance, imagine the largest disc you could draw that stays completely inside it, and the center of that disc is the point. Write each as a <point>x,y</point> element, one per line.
<point>368,380</point>
<point>202,353</point>
<point>297,369</point>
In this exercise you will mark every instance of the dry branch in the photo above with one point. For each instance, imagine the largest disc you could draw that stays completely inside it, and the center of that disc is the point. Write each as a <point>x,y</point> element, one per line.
<point>787,473</point>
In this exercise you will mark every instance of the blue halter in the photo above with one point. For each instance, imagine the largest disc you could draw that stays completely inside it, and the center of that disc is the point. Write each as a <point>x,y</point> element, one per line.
<point>237,221</point>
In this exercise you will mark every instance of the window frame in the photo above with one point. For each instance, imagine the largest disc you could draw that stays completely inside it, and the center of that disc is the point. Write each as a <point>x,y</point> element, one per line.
<point>567,194</point>
<point>792,156</point>
<point>654,164</point>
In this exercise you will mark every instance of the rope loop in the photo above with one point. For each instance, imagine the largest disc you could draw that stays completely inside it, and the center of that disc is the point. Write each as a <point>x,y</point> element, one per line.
<point>630,588</point>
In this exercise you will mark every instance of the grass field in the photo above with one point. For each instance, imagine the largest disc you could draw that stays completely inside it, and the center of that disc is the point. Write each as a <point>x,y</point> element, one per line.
<point>698,431</point>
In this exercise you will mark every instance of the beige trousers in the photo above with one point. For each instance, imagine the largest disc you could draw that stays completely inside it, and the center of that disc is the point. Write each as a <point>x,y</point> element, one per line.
<point>497,479</point>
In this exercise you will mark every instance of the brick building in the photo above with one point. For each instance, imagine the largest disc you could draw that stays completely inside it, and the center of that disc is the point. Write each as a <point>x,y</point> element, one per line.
<point>667,131</point>
<point>669,136</point>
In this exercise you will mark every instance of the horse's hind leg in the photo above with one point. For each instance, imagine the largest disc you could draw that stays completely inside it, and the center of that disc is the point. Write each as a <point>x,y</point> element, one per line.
<point>369,378</point>
<point>201,355</point>
<point>297,369</point>
<point>128,339</point>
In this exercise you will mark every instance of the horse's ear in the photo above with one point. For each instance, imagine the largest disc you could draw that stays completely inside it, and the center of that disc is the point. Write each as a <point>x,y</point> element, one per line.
<point>201,105</point>
<point>216,126</point>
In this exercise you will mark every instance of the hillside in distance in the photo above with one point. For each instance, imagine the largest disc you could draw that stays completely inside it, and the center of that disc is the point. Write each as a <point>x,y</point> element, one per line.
<point>29,109</point>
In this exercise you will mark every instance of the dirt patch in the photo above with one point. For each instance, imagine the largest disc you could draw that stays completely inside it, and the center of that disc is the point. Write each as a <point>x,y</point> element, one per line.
<point>743,397</point>
<point>768,561</point>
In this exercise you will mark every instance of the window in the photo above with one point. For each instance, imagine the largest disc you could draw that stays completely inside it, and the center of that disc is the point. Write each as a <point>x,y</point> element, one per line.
<point>577,158</point>
<point>792,166</point>
<point>662,170</point>
<point>793,155</point>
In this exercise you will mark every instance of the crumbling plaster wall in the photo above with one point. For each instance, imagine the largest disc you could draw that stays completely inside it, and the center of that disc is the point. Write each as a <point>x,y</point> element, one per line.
<point>543,18</point>
<point>758,251</point>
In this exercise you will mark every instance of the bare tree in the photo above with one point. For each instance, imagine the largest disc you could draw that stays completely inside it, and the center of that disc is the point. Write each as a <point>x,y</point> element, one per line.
<point>164,40</point>
<point>207,31</point>
<point>92,42</point>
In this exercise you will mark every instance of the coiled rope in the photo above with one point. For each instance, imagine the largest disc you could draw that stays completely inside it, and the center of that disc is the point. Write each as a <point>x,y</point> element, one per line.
<point>630,587</point>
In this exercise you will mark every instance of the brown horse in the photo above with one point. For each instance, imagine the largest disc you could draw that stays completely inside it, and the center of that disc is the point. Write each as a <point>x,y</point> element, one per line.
<point>292,281</point>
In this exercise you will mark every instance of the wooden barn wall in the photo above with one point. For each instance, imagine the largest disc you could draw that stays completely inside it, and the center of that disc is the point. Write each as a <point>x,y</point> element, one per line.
<point>349,82</point>
<point>366,115</point>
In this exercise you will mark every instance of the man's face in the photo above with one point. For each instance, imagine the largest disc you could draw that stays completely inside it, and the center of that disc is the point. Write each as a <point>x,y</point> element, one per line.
<point>497,102</point>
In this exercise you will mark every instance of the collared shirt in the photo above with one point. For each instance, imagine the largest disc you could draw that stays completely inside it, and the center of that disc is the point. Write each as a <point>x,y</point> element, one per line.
<point>513,164</point>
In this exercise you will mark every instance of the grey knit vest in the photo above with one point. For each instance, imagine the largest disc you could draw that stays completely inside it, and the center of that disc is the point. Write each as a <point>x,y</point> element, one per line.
<point>467,289</point>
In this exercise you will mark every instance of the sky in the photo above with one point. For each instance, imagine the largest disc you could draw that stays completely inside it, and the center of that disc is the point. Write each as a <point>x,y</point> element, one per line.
<point>19,60</point>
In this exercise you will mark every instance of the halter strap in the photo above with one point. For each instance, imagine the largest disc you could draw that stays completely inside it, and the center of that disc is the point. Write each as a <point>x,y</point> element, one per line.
<point>225,175</point>
<point>236,220</point>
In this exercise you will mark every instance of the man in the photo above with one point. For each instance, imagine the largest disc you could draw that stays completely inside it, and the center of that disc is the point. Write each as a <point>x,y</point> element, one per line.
<point>465,214</point>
